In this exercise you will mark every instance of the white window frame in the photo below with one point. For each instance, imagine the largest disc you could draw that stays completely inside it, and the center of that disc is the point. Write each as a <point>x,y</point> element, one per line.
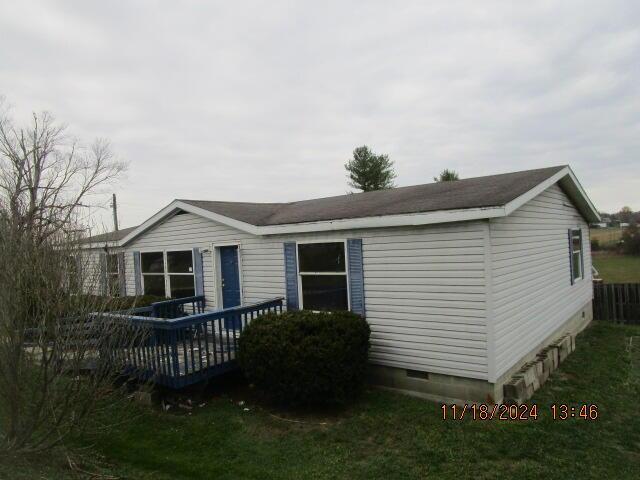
<point>301,274</point>
<point>577,233</point>
<point>165,268</point>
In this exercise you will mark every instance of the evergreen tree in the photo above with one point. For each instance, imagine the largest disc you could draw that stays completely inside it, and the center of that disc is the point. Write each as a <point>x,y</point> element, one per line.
<point>368,171</point>
<point>447,176</point>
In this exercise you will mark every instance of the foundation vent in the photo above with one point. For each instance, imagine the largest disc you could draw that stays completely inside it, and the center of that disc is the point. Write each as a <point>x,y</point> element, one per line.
<point>417,374</point>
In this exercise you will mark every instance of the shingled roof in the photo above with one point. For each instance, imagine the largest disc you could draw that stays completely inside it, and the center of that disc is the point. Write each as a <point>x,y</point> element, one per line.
<point>484,196</point>
<point>478,192</point>
<point>111,236</point>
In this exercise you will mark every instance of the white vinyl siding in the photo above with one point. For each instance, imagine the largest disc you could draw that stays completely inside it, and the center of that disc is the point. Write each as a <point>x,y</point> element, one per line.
<point>425,298</point>
<point>424,295</point>
<point>91,272</point>
<point>531,274</point>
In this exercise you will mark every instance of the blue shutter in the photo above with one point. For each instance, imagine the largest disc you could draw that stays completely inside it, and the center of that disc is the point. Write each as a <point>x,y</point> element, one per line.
<point>103,274</point>
<point>570,257</point>
<point>356,275</point>
<point>122,279</point>
<point>291,275</point>
<point>136,273</point>
<point>197,269</point>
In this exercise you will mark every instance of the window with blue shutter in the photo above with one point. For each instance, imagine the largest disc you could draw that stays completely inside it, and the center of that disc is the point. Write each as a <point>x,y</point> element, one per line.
<point>328,275</point>
<point>322,270</point>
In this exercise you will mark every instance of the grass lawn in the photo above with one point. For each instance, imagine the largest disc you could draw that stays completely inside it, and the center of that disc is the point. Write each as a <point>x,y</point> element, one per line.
<point>386,435</point>
<point>615,268</point>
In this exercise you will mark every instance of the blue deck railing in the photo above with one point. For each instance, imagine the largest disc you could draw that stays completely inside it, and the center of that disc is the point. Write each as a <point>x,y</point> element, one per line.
<point>178,351</point>
<point>179,307</point>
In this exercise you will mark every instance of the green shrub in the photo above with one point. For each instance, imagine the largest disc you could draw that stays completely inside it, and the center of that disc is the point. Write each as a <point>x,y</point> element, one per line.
<point>303,358</point>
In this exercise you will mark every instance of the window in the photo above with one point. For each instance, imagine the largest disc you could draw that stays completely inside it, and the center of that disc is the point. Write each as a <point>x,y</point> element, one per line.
<point>152,269</point>
<point>576,254</point>
<point>113,275</point>
<point>180,273</point>
<point>323,276</point>
<point>168,274</point>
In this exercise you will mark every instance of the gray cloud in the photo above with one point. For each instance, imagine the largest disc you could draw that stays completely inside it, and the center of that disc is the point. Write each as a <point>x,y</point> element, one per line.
<point>264,101</point>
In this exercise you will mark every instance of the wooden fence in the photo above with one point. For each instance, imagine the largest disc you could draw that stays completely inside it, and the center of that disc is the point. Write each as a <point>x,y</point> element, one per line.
<point>617,302</point>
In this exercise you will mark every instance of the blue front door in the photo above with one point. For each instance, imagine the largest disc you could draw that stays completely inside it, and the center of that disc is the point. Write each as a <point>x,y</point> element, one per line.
<point>230,279</point>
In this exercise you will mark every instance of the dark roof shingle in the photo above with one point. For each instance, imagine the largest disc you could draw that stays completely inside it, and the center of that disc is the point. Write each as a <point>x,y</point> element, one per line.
<point>489,191</point>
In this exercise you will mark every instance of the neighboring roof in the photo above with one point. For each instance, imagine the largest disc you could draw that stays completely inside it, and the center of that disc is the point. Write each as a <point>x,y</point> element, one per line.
<point>110,236</point>
<point>468,199</point>
<point>479,192</point>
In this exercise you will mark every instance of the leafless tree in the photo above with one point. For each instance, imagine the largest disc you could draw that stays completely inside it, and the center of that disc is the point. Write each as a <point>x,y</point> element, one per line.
<point>46,177</point>
<point>59,353</point>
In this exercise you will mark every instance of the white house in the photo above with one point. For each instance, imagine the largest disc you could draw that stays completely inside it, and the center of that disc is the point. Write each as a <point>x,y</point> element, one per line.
<point>461,282</point>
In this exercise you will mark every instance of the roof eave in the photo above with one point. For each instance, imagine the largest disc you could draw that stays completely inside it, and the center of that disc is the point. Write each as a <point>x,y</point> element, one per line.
<point>382,221</point>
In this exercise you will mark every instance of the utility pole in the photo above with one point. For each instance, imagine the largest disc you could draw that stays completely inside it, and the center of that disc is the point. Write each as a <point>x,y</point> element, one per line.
<point>114,206</point>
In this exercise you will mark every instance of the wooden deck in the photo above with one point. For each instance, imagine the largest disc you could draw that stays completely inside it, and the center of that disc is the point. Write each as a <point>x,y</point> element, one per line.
<point>181,351</point>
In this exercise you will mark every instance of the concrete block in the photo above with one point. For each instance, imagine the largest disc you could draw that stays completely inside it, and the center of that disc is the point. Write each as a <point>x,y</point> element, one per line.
<point>554,358</point>
<point>514,389</point>
<point>548,365</point>
<point>545,357</point>
<point>545,360</point>
<point>544,377</point>
<point>539,366</point>
<point>563,351</point>
<point>531,375</point>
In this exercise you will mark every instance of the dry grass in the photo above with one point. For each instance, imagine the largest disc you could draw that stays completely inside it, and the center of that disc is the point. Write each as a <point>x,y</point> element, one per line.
<point>606,236</point>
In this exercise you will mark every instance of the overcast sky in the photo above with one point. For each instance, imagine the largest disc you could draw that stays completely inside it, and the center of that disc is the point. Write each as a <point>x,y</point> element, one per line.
<point>265,101</point>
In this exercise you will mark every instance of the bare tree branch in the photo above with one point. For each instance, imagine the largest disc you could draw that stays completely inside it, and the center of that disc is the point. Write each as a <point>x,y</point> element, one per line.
<point>45,177</point>
<point>50,331</point>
